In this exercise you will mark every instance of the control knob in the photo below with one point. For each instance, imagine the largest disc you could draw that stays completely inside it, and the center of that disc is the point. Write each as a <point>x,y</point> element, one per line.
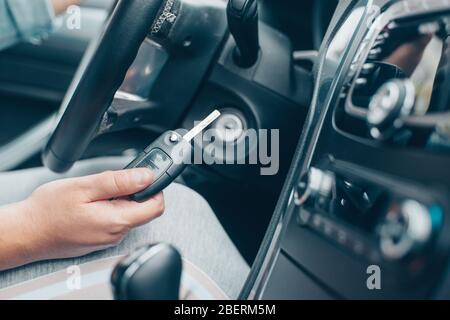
<point>390,104</point>
<point>406,229</point>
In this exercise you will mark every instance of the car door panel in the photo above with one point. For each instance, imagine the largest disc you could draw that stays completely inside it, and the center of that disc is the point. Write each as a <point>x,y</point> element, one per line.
<point>44,70</point>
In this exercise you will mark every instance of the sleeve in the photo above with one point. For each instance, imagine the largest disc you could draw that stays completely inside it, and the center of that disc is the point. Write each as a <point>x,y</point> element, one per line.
<point>25,20</point>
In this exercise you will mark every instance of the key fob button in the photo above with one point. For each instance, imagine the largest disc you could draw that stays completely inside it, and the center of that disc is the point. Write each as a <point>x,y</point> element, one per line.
<point>157,161</point>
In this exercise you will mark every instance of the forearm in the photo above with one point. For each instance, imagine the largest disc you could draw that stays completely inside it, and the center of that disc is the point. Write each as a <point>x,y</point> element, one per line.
<point>61,5</point>
<point>25,20</point>
<point>18,243</point>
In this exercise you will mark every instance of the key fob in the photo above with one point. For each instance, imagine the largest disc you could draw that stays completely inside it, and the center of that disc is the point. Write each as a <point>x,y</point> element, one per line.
<point>167,157</point>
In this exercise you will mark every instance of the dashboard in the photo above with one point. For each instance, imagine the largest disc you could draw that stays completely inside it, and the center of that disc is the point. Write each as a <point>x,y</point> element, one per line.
<point>364,213</point>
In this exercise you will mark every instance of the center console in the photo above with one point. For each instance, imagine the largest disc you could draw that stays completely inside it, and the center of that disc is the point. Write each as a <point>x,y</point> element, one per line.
<point>365,211</point>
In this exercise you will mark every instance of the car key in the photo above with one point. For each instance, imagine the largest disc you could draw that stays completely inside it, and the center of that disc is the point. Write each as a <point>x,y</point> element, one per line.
<point>167,157</point>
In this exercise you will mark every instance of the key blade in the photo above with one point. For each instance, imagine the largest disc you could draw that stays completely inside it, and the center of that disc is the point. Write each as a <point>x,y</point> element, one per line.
<point>202,126</point>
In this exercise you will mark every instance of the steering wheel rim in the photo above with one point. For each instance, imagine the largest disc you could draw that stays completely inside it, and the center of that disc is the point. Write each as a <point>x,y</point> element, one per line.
<point>322,12</point>
<point>100,74</point>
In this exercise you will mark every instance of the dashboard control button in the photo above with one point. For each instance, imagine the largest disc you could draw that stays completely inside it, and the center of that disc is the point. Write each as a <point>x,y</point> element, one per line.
<point>374,53</point>
<point>393,101</point>
<point>360,82</point>
<point>315,185</point>
<point>407,227</point>
<point>382,36</point>
<point>367,68</point>
<point>303,217</point>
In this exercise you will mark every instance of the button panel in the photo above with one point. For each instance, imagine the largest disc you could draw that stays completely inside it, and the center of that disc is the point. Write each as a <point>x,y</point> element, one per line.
<point>158,161</point>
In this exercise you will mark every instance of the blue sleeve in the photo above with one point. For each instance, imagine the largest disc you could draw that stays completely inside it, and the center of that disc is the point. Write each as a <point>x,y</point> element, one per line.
<point>24,20</point>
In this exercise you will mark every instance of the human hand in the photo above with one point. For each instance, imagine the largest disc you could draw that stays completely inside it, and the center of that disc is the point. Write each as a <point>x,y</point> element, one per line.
<point>74,217</point>
<point>61,5</point>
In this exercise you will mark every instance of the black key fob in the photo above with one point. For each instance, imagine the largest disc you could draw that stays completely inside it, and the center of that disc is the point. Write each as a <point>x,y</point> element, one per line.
<point>167,157</point>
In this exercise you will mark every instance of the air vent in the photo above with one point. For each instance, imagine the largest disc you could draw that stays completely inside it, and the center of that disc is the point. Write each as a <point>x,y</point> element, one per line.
<point>399,92</point>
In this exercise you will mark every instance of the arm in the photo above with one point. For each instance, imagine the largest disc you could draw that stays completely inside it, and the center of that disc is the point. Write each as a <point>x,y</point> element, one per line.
<point>24,20</point>
<point>74,217</point>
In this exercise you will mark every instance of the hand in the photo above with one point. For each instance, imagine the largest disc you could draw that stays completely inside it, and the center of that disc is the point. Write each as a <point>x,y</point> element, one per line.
<point>74,217</point>
<point>61,5</point>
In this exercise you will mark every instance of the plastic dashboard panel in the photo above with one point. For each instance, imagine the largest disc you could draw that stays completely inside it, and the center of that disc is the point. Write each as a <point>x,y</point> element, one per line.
<point>269,250</point>
<point>319,267</point>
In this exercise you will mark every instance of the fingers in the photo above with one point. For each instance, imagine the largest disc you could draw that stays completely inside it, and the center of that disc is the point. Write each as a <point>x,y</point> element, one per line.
<point>115,184</point>
<point>137,214</point>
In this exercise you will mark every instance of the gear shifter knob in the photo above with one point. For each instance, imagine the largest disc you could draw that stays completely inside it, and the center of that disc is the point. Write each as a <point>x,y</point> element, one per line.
<point>150,273</point>
<point>243,23</point>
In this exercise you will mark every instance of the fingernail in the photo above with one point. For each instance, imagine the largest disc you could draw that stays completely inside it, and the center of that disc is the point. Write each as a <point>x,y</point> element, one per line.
<point>142,176</point>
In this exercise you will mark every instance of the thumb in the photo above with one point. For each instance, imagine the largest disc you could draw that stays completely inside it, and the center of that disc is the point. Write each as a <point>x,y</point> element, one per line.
<point>115,184</point>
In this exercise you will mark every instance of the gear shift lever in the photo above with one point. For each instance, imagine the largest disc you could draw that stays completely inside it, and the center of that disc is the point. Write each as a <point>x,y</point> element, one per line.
<point>243,23</point>
<point>150,273</point>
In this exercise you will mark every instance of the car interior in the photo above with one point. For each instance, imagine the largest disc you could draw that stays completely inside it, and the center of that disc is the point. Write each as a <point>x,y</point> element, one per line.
<point>356,89</point>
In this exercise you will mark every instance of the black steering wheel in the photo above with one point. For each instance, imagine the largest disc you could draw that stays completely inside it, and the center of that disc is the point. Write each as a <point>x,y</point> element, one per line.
<point>100,74</point>
<point>322,13</point>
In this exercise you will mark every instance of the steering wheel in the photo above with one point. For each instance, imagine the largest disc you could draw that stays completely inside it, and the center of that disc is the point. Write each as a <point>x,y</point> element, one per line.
<point>100,74</point>
<point>322,13</point>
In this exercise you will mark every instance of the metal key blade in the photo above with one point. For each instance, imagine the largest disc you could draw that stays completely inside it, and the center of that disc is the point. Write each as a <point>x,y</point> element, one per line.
<point>202,126</point>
